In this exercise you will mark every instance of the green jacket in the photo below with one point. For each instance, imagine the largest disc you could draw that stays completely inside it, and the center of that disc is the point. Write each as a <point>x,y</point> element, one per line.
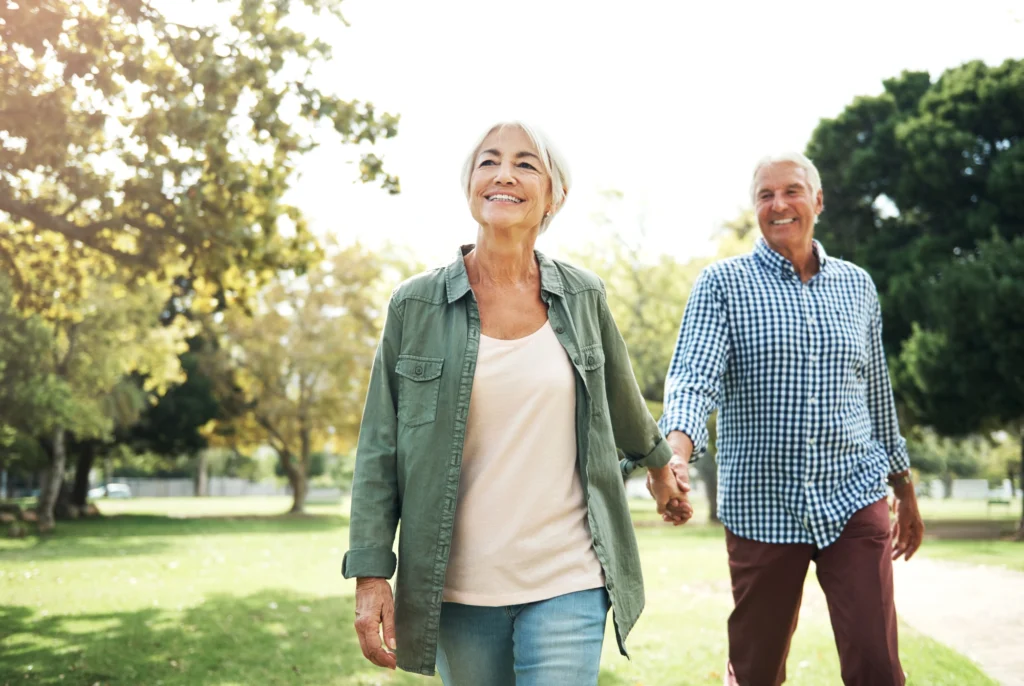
<point>410,443</point>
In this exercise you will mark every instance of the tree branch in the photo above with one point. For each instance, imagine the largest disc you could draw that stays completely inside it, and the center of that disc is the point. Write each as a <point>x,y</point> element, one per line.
<point>71,231</point>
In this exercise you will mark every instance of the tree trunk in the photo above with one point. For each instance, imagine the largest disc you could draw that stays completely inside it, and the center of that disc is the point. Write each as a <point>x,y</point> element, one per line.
<point>708,470</point>
<point>296,473</point>
<point>947,484</point>
<point>52,478</point>
<point>202,478</point>
<point>83,467</point>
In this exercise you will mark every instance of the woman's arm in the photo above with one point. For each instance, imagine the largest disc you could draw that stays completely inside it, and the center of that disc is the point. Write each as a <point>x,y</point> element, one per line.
<point>375,503</point>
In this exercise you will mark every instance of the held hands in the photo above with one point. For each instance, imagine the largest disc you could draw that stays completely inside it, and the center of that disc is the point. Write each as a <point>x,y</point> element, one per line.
<point>669,485</point>
<point>375,606</point>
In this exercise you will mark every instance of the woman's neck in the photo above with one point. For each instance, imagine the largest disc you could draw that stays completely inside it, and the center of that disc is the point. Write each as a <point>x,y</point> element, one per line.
<point>502,260</point>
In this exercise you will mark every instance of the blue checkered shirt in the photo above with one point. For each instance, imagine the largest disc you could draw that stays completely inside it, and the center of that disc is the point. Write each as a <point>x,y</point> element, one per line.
<point>807,428</point>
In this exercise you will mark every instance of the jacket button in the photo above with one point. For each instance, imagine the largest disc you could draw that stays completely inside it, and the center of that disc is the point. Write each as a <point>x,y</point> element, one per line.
<point>590,359</point>
<point>560,329</point>
<point>576,360</point>
<point>419,370</point>
<point>610,586</point>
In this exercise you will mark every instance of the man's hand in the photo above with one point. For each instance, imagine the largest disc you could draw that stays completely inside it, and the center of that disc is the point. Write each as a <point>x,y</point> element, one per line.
<point>673,505</point>
<point>908,530</point>
<point>375,606</point>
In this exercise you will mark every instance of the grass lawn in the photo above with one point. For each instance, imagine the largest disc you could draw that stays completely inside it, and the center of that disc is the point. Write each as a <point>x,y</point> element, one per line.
<point>141,597</point>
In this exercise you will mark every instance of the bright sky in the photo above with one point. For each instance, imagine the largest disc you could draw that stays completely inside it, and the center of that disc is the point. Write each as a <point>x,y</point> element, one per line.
<point>669,102</point>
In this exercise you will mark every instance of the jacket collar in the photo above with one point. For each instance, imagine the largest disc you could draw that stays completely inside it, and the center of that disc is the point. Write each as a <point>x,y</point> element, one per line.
<point>456,280</point>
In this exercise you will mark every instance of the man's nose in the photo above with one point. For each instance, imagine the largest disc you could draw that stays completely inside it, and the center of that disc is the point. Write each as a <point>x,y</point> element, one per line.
<point>779,203</point>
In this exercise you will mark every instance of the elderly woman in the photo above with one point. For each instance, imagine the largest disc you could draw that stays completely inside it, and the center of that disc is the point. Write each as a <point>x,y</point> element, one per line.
<point>500,396</point>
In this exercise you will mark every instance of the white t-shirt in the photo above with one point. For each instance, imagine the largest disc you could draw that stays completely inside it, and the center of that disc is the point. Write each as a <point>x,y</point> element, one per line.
<point>521,532</point>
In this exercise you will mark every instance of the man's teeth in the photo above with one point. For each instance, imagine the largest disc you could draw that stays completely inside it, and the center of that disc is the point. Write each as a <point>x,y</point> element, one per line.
<point>505,198</point>
<point>778,222</point>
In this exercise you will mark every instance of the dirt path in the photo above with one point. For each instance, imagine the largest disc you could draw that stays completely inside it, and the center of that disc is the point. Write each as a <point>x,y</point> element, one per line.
<point>978,611</point>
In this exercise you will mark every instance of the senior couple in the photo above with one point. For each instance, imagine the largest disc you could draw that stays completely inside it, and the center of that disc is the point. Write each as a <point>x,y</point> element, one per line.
<point>501,399</point>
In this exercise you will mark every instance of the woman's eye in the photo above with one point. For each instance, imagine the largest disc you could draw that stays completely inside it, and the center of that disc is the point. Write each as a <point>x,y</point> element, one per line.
<point>486,163</point>
<point>527,165</point>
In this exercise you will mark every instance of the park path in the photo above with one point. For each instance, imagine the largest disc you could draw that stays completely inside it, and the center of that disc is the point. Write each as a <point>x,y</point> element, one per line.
<point>977,611</point>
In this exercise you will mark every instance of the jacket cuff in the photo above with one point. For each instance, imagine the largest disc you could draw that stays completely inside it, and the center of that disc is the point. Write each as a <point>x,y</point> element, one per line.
<point>376,562</point>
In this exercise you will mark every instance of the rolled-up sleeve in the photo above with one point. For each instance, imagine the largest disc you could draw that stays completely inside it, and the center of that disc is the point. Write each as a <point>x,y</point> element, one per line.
<point>885,426</point>
<point>375,499</point>
<point>693,385</point>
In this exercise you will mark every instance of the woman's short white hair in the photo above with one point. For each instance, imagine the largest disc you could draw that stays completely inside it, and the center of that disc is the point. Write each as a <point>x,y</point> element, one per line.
<point>799,159</point>
<point>554,164</point>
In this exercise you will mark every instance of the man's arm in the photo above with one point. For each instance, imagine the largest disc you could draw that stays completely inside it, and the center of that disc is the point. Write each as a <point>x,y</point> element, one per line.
<point>693,385</point>
<point>908,531</point>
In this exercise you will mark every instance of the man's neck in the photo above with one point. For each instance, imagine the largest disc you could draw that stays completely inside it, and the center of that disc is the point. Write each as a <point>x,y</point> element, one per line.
<point>803,258</point>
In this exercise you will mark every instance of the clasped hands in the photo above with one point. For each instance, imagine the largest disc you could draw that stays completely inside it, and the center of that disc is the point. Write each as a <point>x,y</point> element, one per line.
<point>670,485</point>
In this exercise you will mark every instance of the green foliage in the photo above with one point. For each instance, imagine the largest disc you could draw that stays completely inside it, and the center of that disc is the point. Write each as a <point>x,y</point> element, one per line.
<point>965,363</point>
<point>172,425</point>
<point>32,396</point>
<point>922,188</point>
<point>131,142</point>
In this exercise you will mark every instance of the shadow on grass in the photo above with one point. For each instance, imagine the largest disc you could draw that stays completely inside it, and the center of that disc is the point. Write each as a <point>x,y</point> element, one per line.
<point>140,534</point>
<point>969,529</point>
<point>270,637</point>
<point>126,526</point>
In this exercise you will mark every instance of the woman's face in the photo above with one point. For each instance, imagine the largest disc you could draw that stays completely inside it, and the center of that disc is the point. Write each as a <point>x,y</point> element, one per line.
<point>509,188</point>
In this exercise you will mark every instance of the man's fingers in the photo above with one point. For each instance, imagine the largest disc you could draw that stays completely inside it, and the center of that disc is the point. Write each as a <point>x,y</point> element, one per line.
<point>913,543</point>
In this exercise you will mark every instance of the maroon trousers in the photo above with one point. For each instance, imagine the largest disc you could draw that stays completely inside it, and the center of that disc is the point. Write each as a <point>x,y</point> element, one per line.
<point>855,573</point>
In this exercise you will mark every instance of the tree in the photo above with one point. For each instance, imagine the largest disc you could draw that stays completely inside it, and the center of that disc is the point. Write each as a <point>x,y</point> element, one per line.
<point>299,365</point>
<point>131,142</point>
<point>922,188</point>
<point>31,395</point>
<point>109,333</point>
<point>175,422</point>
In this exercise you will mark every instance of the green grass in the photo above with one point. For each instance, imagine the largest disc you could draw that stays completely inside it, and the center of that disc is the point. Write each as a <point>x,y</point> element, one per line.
<point>1009,554</point>
<point>235,599</point>
<point>933,509</point>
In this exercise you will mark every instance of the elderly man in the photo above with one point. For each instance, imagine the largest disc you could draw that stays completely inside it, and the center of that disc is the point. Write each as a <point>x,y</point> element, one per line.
<point>787,342</point>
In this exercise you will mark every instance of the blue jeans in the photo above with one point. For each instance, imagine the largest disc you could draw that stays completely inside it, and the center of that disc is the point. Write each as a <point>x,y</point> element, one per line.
<point>554,641</point>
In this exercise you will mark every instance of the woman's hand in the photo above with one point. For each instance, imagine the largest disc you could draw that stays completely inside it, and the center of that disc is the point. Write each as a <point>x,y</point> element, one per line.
<point>375,606</point>
<point>669,486</point>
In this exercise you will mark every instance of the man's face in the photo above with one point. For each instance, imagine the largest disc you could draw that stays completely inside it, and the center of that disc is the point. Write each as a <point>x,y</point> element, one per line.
<point>786,208</point>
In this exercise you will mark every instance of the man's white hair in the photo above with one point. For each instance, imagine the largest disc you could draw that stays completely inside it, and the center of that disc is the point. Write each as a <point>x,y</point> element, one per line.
<point>554,164</point>
<point>799,159</point>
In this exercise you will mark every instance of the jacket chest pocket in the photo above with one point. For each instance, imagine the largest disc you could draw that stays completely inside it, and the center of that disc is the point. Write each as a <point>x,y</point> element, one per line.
<point>592,360</point>
<point>419,383</point>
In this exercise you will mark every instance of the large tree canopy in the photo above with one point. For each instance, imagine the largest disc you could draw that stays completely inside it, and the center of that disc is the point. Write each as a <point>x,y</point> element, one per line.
<point>158,146</point>
<point>921,174</point>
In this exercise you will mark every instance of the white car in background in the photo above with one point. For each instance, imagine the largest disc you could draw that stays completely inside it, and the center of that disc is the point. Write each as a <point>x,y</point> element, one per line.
<point>111,491</point>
